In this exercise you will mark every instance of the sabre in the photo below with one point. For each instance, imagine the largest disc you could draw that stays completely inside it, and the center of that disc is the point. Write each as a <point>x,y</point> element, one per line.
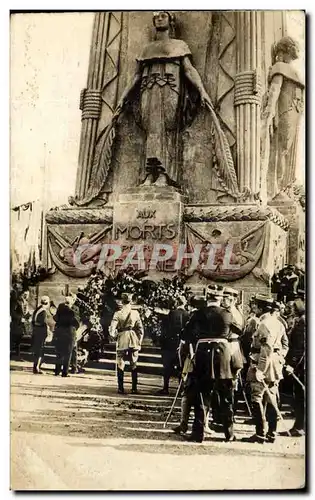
<point>298,381</point>
<point>244,395</point>
<point>279,416</point>
<point>173,404</point>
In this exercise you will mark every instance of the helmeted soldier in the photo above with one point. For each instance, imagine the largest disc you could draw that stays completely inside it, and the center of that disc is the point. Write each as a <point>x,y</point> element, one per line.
<point>127,329</point>
<point>265,371</point>
<point>216,365</point>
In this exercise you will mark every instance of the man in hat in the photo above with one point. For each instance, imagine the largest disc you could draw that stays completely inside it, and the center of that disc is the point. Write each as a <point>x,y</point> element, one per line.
<point>265,371</point>
<point>174,324</point>
<point>127,329</point>
<point>215,365</point>
<point>40,332</point>
<point>229,301</point>
<point>67,322</point>
<point>296,364</point>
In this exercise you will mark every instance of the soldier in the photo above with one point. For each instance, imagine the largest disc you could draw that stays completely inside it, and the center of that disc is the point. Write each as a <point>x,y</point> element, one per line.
<point>229,301</point>
<point>127,329</point>
<point>265,371</point>
<point>216,365</point>
<point>251,325</point>
<point>40,332</point>
<point>186,355</point>
<point>175,322</point>
<point>67,322</point>
<point>230,297</point>
<point>296,364</point>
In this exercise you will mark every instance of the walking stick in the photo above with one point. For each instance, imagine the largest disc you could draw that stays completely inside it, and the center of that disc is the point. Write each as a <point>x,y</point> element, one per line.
<point>173,404</point>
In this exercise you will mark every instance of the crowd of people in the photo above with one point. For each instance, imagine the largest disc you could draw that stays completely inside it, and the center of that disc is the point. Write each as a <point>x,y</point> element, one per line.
<point>217,353</point>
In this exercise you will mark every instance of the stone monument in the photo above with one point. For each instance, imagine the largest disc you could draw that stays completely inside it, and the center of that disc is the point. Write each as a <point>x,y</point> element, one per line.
<point>174,146</point>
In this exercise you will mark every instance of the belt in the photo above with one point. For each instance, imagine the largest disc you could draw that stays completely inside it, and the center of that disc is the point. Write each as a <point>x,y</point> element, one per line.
<point>208,341</point>
<point>256,350</point>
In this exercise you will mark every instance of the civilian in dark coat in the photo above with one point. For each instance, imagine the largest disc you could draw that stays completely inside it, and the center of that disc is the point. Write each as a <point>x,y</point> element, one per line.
<point>67,322</point>
<point>40,331</point>
<point>174,324</point>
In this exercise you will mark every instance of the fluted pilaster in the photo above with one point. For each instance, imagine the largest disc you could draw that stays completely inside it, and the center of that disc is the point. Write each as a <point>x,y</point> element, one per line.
<point>102,71</point>
<point>247,99</point>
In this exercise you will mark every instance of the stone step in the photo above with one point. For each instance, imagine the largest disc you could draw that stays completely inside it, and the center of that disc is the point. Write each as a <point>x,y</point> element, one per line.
<point>104,363</point>
<point>111,347</point>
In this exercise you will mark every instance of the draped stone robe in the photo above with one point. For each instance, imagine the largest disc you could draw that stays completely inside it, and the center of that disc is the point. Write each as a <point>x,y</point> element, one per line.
<point>163,101</point>
<point>282,165</point>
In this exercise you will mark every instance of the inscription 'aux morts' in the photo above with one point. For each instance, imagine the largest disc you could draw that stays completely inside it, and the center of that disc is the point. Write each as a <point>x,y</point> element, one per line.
<point>146,231</point>
<point>146,213</point>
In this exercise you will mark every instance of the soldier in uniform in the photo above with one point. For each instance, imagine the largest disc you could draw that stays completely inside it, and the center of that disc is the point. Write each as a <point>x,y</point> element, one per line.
<point>216,365</point>
<point>175,322</point>
<point>127,329</point>
<point>296,364</point>
<point>229,301</point>
<point>40,331</point>
<point>230,297</point>
<point>265,371</point>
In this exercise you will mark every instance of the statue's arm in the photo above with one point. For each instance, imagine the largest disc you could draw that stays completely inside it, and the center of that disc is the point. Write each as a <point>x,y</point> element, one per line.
<point>273,96</point>
<point>194,77</point>
<point>130,87</point>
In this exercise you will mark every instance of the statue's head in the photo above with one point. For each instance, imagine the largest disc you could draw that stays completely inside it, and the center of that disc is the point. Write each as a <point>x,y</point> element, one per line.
<point>286,50</point>
<point>164,20</point>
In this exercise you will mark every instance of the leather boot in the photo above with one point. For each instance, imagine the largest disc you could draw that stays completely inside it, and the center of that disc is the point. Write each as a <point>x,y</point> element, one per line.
<point>259,420</point>
<point>57,369</point>
<point>120,378</point>
<point>134,376</point>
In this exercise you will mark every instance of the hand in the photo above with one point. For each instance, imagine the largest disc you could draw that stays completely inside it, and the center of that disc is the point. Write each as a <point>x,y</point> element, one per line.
<point>259,375</point>
<point>289,369</point>
<point>205,99</point>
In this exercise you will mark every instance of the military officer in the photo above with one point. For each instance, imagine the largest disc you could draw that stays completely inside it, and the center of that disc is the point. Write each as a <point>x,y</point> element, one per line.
<point>296,364</point>
<point>127,329</point>
<point>265,371</point>
<point>216,365</point>
<point>229,301</point>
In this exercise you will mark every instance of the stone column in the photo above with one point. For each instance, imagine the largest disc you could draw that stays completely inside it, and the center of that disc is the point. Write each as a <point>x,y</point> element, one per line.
<point>102,71</point>
<point>247,99</point>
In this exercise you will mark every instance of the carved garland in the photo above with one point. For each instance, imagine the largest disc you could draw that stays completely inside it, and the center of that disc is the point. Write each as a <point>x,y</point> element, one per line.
<point>233,213</point>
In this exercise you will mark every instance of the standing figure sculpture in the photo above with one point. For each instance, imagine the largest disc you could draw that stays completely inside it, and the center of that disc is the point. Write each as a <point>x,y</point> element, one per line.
<point>281,117</point>
<point>164,97</point>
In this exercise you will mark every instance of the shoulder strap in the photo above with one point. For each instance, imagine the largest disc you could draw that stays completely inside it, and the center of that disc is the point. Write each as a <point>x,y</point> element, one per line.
<point>126,320</point>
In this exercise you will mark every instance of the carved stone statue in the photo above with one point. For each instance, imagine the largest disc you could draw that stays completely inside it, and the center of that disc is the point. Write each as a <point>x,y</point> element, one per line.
<point>164,96</point>
<point>281,117</point>
<point>161,89</point>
